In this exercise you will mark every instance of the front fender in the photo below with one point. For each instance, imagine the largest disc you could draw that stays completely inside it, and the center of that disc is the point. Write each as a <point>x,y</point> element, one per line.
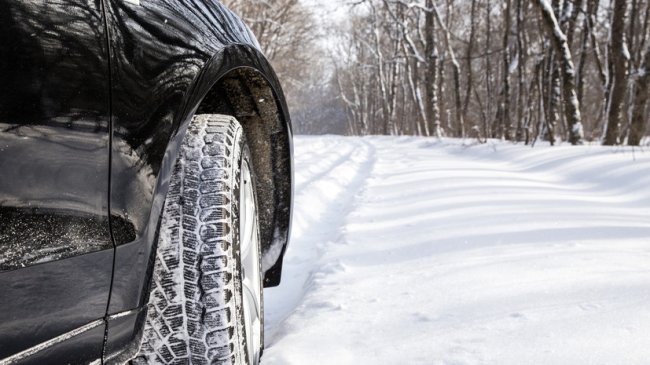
<point>134,259</point>
<point>169,60</point>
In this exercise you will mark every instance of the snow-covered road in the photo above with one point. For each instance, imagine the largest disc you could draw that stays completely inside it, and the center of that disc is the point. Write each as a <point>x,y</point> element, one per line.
<point>416,251</point>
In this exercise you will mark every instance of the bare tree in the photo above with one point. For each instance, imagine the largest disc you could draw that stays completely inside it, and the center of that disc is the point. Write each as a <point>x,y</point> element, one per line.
<point>619,57</point>
<point>504,69</point>
<point>289,37</point>
<point>431,86</point>
<point>456,70</point>
<point>638,122</point>
<point>560,44</point>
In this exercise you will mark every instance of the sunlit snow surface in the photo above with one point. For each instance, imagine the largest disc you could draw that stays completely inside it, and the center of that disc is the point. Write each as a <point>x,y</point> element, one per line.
<point>416,251</point>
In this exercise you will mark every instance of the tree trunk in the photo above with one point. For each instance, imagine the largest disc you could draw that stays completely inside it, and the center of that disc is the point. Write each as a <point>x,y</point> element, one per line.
<point>456,72</point>
<point>505,124</point>
<point>552,94</point>
<point>488,69</point>
<point>571,104</point>
<point>583,56</point>
<point>619,59</point>
<point>381,75</point>
<point>469,54</point>
<point>431,87</point>
<point>521,65</point>
<point>637,125</point>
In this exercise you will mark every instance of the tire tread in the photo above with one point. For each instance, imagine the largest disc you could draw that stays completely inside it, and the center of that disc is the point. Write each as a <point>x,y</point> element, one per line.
<point>192,314</point>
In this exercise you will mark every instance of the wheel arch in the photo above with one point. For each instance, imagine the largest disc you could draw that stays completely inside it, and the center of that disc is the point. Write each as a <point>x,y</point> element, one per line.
<point>233,78</point>
<point>236,74</point>
<point>247,95</point>
<point>240,82</point>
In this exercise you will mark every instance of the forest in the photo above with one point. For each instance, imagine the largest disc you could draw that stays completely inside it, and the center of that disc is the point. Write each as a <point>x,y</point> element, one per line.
<point>570,71</point>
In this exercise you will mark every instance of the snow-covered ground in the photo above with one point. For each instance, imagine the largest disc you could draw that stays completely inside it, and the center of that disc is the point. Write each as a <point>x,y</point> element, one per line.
<point>417,251</point>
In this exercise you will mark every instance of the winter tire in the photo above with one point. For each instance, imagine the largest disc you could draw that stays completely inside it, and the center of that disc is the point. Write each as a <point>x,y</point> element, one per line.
<point>205,304</point>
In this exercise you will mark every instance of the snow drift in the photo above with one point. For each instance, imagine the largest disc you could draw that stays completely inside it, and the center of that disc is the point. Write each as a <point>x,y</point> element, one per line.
<point>417,251</point>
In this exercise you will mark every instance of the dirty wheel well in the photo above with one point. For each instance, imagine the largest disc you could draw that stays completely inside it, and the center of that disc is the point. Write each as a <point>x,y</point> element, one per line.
<point>245,94</point>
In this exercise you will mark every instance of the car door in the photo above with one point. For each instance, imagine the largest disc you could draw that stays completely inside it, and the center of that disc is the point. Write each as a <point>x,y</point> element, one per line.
<point>56,252</point>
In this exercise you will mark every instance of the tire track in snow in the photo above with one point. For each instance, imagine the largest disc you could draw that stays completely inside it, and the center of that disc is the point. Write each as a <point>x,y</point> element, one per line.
<point>322,200</point>
<point>331,162</point>
<point>466,197</point>
<point>455,255</point>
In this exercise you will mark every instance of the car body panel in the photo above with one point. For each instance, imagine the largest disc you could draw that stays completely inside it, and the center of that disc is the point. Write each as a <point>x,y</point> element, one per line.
<point>124,331</point>
<point>56,253</point>
<point>42,302</point>
<point>166,55</point>
<point>95,98</point>
<point>81,346</point>
<point>158,50</point>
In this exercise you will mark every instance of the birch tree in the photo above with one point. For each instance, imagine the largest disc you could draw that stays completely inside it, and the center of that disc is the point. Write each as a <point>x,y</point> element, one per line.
<point>560,44</point>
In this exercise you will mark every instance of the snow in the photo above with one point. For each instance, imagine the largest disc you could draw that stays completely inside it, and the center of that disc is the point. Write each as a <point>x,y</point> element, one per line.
<point>514,63</point>
<point>578,130</point>
<point>423,251</point>
<point>626,52</point>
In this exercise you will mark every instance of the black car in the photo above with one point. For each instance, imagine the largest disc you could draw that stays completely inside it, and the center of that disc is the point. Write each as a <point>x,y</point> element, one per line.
<point>145,183</point>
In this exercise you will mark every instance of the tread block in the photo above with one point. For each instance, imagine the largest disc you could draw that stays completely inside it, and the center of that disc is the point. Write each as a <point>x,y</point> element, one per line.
<point>218,319</point>
<point>219,337</point>
<point>192,168</point>
<point>189,223</point>
<point>214,174</point>
<point>216,281</point>
<point>217,298</point>
<point>214,137</point>
<point>214,231</point>
<point>193,310</point>
<point>212,200</point>
<point>212,215</point>
<point>214,263</point>
<point>215,163</point>
<point>219,247</point>
<point>215,150</point>
<point>206,187</point>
